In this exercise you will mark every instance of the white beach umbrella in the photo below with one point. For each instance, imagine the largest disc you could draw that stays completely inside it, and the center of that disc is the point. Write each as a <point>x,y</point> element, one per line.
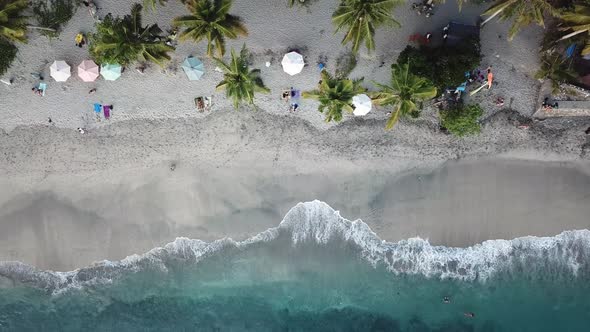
<point>362,104</point>
<point>60,71</point>
<point>293,63</point>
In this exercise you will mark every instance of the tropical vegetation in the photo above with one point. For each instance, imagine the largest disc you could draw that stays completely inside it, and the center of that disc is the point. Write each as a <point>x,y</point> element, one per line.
<point>53,14</point>
<point>125,40</point>
<point>335,95</point>
<point>239,81</point>
<point>554,67</point>
<point>151,4</point>
<point>13,26</point>
<point>444,66</point>
<point>523,13</point>
<point>210,19</point>
<point>7,54</point>
<point>578,21</point>
<point>462,121</point>
<point>405,93</point>
<point>360,19</point>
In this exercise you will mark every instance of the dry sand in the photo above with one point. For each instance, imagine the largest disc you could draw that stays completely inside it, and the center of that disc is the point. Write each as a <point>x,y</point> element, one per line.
<point>67,199</point>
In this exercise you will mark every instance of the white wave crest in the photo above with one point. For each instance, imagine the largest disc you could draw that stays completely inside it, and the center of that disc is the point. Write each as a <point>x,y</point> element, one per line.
<point>318,223</point>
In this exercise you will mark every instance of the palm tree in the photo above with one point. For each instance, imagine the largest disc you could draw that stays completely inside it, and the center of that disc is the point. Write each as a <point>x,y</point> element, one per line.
<point>125,40</point>
<point>579,21</point>
<point>524,13</point>
<point>210,19</point>
<point>239,82</point>
<point>405,91</point>
<point>361,18</point>
<point>553,67</point>
<point>13,26</point>
<point>151,4</point>
<point>335,95</point>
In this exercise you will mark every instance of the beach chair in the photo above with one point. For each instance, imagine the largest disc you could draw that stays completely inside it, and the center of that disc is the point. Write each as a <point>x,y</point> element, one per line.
<point>106,109</point>
<point>42,87</point>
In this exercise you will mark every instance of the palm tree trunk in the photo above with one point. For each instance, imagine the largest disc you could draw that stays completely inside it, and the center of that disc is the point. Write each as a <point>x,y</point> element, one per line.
<point>40,28</point>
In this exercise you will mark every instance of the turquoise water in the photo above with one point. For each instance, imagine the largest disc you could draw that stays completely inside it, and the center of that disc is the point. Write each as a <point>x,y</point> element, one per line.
<point>315,272</point>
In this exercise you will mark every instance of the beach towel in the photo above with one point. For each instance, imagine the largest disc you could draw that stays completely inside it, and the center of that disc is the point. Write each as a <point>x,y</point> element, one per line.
<point>97,108</point>
<point>42,87</point>
<point>570,50</point>
<point>107,111</point>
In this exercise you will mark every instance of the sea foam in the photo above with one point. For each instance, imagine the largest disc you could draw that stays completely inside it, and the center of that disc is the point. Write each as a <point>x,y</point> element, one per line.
<point>316,222</point>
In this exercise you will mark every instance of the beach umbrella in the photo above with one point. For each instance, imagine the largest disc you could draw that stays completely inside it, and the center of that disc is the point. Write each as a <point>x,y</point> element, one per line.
<point>110,71</point>
<point>293,63</point>
<point>88,71</point>
<point>60,71</point>
<point>362,104</point>
<point>193,68</point>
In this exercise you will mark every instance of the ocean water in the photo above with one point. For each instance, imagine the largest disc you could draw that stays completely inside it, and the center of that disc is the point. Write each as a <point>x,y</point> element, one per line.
<point>316,271</point>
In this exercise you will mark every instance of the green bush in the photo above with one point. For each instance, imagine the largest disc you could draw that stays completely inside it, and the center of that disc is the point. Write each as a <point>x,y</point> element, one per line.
<point>462,121</point>
<point>445,66</point>
<point>53,14</point>
<point>7,55</point>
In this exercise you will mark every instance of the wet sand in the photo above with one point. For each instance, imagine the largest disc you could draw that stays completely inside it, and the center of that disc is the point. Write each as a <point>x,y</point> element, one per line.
<point>460,204</point>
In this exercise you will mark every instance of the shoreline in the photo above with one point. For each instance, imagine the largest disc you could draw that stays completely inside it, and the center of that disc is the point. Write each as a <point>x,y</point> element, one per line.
<point>69,221</point>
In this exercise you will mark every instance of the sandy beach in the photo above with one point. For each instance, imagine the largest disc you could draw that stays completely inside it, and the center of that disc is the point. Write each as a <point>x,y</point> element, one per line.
<point>67,200</point>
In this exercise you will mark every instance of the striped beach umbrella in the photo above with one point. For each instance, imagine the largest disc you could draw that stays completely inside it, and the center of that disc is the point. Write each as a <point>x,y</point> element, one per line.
<point>88,71</point>
<point>110,71</point>
<point>60,71</point>
<point>193,68</point>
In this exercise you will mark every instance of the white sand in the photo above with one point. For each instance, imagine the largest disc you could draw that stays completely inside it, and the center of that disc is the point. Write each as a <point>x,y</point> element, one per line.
<point>68,199</point>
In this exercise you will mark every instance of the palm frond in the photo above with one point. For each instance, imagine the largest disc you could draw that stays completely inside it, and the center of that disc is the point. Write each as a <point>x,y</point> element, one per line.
<point>13,26</point>
<point>239,81</point>
<point>125,40</point>
<point>404,91</point>
<point>522,12</point>
<point>335,95</point>
<point>210,19</point>
<point>361,18</point>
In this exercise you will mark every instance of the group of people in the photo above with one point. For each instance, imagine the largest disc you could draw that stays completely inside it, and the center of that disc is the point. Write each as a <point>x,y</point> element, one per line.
<point>288,95</point>
<point>547,106</point>
<point>426,8</point>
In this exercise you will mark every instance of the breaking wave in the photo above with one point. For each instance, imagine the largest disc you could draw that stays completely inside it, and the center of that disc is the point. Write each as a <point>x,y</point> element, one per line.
<point>563,256</point>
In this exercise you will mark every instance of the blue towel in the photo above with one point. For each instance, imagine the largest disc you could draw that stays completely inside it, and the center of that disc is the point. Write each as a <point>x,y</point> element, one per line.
<point>97,108</point>
<point>570,50</point>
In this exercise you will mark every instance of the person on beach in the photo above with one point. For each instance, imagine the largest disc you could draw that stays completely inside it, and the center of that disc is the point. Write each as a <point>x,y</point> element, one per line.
<point>81,130</point>
<point>79,40</point>
<point>490,77</point>
<point>92,91</point>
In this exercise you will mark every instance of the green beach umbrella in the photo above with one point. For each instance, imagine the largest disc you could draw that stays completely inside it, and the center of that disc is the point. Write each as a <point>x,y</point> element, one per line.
<point>193,68</point>
<point>110,71</point>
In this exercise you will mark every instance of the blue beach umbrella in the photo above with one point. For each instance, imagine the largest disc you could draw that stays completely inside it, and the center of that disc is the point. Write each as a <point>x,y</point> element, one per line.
<point>193,68</point>
<point>110,71</point>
